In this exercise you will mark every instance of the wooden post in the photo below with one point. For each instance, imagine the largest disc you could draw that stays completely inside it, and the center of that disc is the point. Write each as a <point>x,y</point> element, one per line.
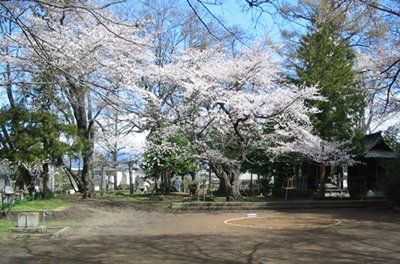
<point>130,179</point>
<point>103,174</point>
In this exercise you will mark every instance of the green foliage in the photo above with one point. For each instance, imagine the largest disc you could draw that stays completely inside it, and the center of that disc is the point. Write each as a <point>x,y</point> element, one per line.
<point>326,61</point>
<point>61,182</point>
<point>5,226</point>
<point>22,201</point>
<point>34,135</point>
<point>392,138</point>
<point>31,133</point>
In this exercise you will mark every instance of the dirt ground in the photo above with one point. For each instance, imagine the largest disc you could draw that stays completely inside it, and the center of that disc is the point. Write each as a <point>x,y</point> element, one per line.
<point>116,232</point>
<point>295,221</point>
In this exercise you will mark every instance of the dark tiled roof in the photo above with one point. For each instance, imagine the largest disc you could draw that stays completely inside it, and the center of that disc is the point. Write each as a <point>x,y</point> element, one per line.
<point>375,147</point>
<point>382,154</point>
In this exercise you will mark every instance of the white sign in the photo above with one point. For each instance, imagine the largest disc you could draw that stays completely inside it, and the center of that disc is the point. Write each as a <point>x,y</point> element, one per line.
<point>345,175</point>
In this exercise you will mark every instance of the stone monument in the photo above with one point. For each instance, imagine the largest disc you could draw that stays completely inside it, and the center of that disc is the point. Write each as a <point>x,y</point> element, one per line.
<point>28,222</point>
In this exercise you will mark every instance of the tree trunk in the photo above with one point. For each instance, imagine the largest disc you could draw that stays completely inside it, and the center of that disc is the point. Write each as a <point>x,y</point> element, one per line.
<point>115,152</point>
<point>167,182</point>
<point>115,158</point>
<point>108,182</point>
<point>87,182</point>
<point>221,188</point>
<point>232,187</point>
<point>103,177</point>
<point>156,187</point>
<point>25,176</point>
<point>193,176</point>
<point>70,174</point>
<point>230,176</point>
<point>162,182</point>
<point>80,101</point>
<point>209,182</point>
<point>115,179</point>
<point>88,188</point>
<point>46,181</point>
<point>130,180</point>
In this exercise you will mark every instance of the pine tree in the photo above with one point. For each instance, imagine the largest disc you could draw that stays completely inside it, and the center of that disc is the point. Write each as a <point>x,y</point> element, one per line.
<point>326,61</point>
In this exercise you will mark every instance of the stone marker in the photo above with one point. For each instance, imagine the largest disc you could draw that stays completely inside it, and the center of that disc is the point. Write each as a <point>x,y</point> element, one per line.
<point>28,222</point>
<point>30,219</point>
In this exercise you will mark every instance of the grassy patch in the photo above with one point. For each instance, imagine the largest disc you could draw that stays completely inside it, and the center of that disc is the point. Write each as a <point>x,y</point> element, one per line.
<point>5,227</point>
<point>42,205</point>
<point>159,200</point>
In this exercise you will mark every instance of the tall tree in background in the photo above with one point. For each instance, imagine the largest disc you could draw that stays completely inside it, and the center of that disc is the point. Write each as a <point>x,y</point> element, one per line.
<point>30,131</point>
<point>326,61</point>
<point>90,56</point>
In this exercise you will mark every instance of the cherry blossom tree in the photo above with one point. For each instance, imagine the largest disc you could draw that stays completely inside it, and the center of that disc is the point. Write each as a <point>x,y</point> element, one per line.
<point>227,106</point>
<point>91,57</point>
<point>224,105</point>
<point>169,157</point>
<point>381,89</point>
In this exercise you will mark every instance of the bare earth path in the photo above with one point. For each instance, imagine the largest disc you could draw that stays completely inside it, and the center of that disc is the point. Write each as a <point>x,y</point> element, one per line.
<point>110,232</point>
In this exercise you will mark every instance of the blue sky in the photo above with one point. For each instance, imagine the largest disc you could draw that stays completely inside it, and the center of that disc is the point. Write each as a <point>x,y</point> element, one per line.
<point>250,20</point>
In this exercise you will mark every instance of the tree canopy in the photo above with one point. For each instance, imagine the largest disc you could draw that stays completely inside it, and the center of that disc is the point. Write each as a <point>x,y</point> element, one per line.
<point>84,77</point>
<point>326,61</point>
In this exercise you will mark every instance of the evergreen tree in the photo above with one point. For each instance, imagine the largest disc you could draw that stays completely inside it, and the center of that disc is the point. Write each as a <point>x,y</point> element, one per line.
<point>34,137</point>
<point>326,61</point>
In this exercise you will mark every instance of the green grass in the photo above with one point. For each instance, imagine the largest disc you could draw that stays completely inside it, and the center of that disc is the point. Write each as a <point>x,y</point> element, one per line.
<point>159,200</point>
<point>5,227</point>
<point>42,205</point>
<point>126,197</point>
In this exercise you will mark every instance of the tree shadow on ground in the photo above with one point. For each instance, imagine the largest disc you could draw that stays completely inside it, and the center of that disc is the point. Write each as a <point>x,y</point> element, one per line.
<point>283,246</point>
<point>369,235</point>
<point>373,214</point>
